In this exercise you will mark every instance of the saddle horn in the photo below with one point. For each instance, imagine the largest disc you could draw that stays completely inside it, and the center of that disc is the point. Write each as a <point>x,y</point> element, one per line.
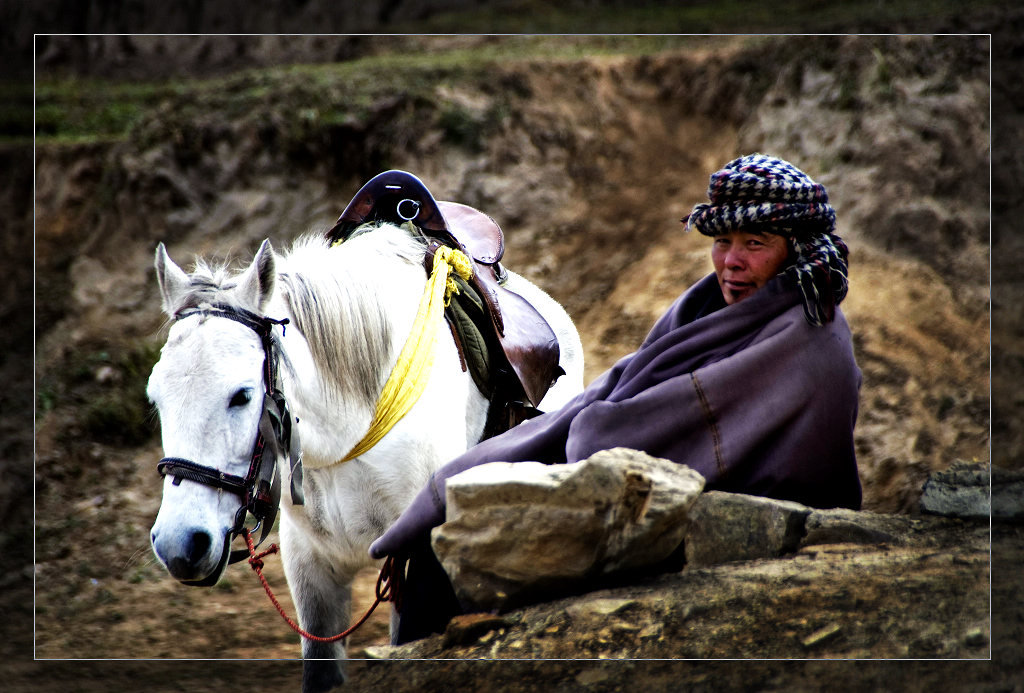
<point>392,196</point>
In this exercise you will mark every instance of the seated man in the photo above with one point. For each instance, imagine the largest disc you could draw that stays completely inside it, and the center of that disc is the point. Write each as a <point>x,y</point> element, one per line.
<point>749,378</point>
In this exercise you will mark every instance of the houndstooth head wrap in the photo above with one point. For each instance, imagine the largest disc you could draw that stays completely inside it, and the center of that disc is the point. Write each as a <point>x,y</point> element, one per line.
<point>764,193</point>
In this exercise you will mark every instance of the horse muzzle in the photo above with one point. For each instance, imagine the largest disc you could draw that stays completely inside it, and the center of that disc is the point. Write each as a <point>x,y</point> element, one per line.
<point>192,556</point>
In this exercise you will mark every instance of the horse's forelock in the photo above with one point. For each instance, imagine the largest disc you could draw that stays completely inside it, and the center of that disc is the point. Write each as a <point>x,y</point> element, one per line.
<point>211,283</point>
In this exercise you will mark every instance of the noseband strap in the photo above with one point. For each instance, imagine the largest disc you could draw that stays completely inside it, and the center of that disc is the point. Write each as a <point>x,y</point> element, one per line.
<point>180,468</point>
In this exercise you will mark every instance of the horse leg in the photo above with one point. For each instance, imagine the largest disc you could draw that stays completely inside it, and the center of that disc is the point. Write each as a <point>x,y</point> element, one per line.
<point>323,612</point>
<point>322,599</point>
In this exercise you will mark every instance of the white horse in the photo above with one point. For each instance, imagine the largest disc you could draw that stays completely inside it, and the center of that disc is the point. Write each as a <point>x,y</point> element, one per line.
<point>349,309</point>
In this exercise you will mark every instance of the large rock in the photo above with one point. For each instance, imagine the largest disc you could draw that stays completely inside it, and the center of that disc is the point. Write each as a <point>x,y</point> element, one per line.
<point>728,527</point>
<point>526,531</point>
<point>975,491</point>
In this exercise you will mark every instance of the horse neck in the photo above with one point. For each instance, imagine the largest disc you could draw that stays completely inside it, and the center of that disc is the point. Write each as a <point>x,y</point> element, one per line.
<point>350,309</point>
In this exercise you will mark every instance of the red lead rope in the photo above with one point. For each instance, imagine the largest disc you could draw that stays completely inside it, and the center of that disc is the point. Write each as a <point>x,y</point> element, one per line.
<point>388,589</point>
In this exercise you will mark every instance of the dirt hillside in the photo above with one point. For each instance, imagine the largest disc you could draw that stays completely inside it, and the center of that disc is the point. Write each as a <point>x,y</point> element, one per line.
<point>587,163</point>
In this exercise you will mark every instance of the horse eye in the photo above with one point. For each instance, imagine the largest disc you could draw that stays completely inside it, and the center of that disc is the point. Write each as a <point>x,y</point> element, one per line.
<point>240,398</point>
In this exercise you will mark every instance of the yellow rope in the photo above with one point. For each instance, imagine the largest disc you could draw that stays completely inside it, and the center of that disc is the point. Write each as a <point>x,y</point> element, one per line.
<point>409,377</point>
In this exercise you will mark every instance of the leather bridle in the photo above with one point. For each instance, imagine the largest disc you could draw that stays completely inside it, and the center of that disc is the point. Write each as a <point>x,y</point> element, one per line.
<point>260,488</point>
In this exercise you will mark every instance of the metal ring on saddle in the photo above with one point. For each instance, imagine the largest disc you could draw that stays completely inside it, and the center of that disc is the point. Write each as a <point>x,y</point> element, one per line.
<point>407,202</point>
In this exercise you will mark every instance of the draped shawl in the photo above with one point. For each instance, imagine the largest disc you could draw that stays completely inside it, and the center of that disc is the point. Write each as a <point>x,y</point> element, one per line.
<point>750,395</point>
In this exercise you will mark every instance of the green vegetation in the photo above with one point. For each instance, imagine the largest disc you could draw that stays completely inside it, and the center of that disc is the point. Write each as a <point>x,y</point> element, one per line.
<point>115,410</point>
<point>83,110</point>
<point>408,64</point>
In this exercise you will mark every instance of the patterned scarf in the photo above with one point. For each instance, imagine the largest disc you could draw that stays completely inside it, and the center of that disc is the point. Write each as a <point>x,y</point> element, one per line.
<point>764,193</point>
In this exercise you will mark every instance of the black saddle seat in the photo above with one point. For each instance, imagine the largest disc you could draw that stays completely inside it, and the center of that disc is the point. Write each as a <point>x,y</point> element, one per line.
<point>522,342</point>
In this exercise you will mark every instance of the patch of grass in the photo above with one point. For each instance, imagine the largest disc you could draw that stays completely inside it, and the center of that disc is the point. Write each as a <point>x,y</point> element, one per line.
<point>462,127</point>
<point>115,410</point>
<point>70,120</point>
<point>407,66</point>
<point>113,418</point>
<point>83,110</point>
<point>46,400</point>
<point>124,414</point>
<point>882,77</point>
<point>309,96</point>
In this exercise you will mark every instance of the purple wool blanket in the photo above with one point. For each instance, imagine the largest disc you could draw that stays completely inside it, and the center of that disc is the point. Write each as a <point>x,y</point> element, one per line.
<point>750,395</point>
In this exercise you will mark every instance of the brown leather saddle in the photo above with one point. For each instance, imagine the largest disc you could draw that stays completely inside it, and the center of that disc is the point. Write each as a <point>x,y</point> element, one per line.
<point>519,359</point>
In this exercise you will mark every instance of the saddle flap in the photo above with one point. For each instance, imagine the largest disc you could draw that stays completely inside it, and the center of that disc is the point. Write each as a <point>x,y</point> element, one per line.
<point>529,344</point>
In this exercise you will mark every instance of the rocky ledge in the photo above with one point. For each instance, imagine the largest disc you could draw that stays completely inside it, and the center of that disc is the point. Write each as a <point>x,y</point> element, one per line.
<point>752,577</point>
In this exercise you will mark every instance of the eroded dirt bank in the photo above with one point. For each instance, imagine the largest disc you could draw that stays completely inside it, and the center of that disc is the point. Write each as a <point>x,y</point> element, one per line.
<point>587,164</point>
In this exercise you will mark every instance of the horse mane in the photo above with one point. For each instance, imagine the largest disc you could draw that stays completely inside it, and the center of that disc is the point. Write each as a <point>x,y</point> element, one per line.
<point>334,298</point>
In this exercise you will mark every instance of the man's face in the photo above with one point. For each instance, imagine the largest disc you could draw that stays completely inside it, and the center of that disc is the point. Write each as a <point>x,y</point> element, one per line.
<point>744,262</point>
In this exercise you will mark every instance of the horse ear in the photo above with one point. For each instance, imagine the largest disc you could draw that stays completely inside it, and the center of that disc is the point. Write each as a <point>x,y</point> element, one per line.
<point>174,283</point>
<point>256,283</point>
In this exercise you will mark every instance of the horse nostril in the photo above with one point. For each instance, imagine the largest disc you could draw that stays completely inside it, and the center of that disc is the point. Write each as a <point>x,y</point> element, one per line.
<point>200,545</point>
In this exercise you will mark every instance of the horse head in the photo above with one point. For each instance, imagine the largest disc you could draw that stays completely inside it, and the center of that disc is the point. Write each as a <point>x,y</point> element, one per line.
<point>208,388</point>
